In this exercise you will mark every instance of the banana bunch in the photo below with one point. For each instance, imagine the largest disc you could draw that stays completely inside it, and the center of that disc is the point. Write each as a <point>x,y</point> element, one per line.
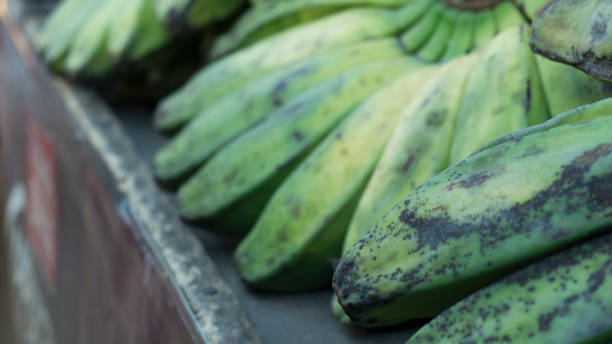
<point>303,140</point>
<point>91,39</point>
<point>434,30</point>
<point>563,299</point>
<point>526,196</point>
<point>578,33</point>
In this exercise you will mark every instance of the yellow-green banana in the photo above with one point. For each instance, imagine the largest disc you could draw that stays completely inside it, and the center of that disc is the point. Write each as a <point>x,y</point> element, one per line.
<point>417,150</point>
<point>502,95</point>
<point>478,221</point>
<point>438,42</point>
<point>484,28</point>
<point>461,40</point>
<point>223,120</point>
<point>329,33</point>
<point>268,18</point>
<point>302,227</point>
<point>262,154</point>
<point>567,87</point>
<point>185,15</point>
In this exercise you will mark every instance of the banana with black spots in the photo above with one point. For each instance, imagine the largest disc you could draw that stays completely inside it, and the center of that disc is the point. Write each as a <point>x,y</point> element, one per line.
<point>478,221</point>
<point>225,119</point>
<point>564,299</point>
<point>417,150</point>
<point>260,157</point>
<point>323,35</point>
<point>301,229</point>
<point>576,33</point>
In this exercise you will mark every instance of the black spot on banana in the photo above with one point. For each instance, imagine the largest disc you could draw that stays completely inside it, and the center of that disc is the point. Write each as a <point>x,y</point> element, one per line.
<point>561,299</point>
<point>478,221</point>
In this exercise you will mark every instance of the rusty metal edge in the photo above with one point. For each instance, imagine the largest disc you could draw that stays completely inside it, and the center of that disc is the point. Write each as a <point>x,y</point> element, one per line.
<point>213,305</point>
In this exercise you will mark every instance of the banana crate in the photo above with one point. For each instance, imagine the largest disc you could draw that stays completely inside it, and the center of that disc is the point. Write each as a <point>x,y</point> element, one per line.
<point>98,253</point>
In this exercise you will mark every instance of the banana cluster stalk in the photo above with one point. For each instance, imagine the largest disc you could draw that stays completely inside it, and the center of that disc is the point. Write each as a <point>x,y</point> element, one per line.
<point>91,39</point>
<point>578,33</point>
<point>503,208</point>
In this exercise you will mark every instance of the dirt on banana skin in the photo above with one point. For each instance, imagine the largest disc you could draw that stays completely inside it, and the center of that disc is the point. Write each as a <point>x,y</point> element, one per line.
<point>437,229</point>
<point>457,321</point>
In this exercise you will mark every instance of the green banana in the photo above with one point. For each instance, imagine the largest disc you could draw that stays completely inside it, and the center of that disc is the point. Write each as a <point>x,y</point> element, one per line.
<point>302,226</point>
<point>567,88</point>
<point>507,15</point>
<point>329,33</point>
<point>185,15</point>
<point>136,31</point>
<point>478,221</point>
<point>587,112</point>
<point>502,95</point>
<point>577,33</point>
<point>417,35</point>
<point>484,28</point>
<point>437,43</point>
<point>225,119</point>
<point>57,42</point>
<point>417,150</point>
<point>561,299</point>
<point>250,161</point>
<point>56,22</point>
<point>529,8</point>
<point>268,18</point>
<point>460,43</point>
<point>88,53</point>
<point>88,39</point>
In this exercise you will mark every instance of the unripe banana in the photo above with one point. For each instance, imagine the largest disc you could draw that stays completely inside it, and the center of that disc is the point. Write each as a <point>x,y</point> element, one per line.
<point>484,28</point>
<point>417,35</point>
<point>577,33</point>
<point>587,112</point>
<point>186,15</point>
<point>326,34</point>
<point>268,18</point>
<point>305,220</point>
<point>226,118</point>
<point>564,299</point>
<point>136,31</point>
<point>418,149</point>
<point>507,15</point>
<point>251,161</point>
<point>59,40</point>
<point>438,41</point>
<point>567,87</point>
<point>503,94</point>
<point>477,221</point>
<point>462,37</point>
<point>88,53</point>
